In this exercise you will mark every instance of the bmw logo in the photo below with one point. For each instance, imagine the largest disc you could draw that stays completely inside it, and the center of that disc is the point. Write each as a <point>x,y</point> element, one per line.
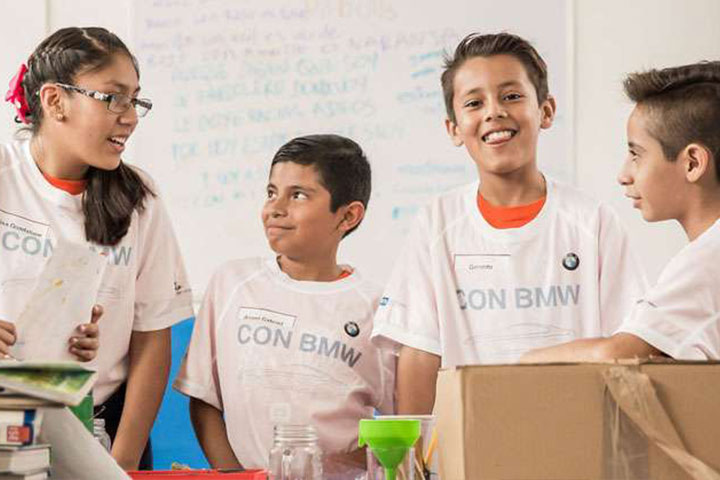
<point>352,329</point>
<point>571,261</point>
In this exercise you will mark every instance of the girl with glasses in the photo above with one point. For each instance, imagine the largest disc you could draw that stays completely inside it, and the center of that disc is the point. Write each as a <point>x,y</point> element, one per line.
<point>64,178</point>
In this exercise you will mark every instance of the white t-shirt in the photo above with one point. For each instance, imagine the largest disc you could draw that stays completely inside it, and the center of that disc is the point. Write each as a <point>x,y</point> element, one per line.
<point>144,286</point>
<point>680,315</point>
<point>267,350</point>
<point>474,294</point>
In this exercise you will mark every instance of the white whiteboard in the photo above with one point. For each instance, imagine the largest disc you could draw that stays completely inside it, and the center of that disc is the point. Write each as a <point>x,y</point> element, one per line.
<point>231,81</point>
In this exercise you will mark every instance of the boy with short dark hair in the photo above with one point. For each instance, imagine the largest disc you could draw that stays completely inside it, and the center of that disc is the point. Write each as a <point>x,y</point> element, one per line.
<point>672,173</point>
<point>512,262</point>
<point>285,340</point>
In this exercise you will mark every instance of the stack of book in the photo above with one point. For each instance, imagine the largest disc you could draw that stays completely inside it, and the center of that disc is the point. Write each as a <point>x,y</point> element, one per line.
<point>21,456</point>
<point>27,390</point>
<point>26,462</point>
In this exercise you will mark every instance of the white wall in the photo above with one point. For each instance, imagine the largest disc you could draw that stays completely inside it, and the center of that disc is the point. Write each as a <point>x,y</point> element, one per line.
<point>613,37</point>
<point>21,28</point>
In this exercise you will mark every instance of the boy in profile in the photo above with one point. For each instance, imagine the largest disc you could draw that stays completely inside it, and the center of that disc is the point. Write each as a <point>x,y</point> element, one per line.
<point>672,172</point>
<point>286,339</point>
<point>514,261</point>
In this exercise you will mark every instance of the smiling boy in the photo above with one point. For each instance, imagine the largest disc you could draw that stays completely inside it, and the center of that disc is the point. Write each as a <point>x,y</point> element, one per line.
<point>285,340</point>
<point>512,262</point>
<point>671,173</point>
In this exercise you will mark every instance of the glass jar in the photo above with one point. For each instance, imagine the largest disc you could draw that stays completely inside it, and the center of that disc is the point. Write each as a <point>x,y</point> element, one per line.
<point>295,454</point>
<point>101,434</point>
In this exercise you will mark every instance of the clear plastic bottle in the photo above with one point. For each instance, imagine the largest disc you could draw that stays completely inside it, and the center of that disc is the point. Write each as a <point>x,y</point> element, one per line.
<point>101,434</point>
<point>295,454</point>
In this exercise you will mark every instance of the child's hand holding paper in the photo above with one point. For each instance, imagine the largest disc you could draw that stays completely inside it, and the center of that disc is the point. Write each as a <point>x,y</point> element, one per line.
<point>63,297</point>
<point>85,344</point>
<point>8,336</point>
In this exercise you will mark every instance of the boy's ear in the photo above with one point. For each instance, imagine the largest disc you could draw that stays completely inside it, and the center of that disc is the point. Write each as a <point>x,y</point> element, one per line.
<point>353,213</point>
<point>452,130</point>
<point>697,160</point>
<point>547,110</point>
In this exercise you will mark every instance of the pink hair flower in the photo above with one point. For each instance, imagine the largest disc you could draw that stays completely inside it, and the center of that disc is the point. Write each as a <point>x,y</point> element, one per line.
<point>16,95</point>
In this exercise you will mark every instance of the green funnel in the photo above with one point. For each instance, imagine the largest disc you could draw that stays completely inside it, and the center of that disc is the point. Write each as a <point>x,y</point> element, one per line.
<point>389,441</point>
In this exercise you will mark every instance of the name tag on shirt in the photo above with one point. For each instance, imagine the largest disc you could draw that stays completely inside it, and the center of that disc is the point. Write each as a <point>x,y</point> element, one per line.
<point>22,226</point>
<point>267,317</point>
<point>481,263</point>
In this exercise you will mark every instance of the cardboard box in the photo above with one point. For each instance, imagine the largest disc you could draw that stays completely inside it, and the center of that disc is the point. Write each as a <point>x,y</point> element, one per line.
<point>630,420</point>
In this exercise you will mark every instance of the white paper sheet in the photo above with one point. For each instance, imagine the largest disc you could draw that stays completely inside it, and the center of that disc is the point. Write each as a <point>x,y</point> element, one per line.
<point>62,299</point>
<point>76,455</point>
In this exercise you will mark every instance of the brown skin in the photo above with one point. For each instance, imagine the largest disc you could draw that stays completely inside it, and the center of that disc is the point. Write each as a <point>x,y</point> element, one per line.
<point>494,94</point>
<point>620,345</point>
<point>75,129</point>
<point>211,434</point>
<point>299,225</point>
<point>147,377</point>
<point>415,385</point>
<point>84,345</point>
<point>685,190</point>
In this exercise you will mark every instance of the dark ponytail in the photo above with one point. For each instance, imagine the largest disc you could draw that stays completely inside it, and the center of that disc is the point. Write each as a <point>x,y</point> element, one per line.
<point>109,200</point>
<point>111,196</point>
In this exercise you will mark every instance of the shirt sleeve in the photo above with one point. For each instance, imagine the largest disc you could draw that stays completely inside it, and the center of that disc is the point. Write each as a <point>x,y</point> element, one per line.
<point>198,375</point>
<point>163,295</point>
<point>622,280</point>
<point>679,316</point>
<point>408,312</point>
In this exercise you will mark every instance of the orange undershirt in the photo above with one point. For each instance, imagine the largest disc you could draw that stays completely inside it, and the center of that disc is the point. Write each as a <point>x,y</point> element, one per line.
<point>509,217</point>
<point>344,274</point>
<point>73,187</point>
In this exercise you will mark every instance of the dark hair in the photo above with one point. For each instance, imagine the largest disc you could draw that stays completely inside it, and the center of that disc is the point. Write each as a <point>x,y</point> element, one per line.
<point>340,162</point>
<point>488,45</point>
<point>683,105</point>
<point>111,196</point>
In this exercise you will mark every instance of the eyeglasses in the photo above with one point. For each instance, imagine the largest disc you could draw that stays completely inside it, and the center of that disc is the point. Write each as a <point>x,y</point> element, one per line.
<point>116,102</point>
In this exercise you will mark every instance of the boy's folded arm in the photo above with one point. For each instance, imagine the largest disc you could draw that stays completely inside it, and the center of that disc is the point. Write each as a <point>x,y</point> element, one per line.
<point>620,345</point>
<point>415,382</point>
<point>211,434</point>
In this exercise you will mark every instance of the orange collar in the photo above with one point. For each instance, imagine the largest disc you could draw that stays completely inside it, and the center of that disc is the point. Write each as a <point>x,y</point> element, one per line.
<point>73,187</point>
<point>509,217</point>
<point>344,274</point>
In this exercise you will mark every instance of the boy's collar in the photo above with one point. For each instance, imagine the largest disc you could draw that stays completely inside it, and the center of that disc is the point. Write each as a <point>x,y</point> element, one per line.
<point>308,286</point>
